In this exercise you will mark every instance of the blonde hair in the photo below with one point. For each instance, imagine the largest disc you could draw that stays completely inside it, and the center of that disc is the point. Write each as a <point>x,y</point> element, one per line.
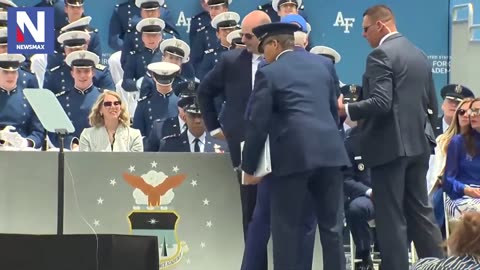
<point>465,238</point>
<point>96,119</point>
<point>453,129</point>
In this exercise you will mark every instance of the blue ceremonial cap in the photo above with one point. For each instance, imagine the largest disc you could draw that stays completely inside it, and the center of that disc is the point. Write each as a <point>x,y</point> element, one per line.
<point>456,92</point>
<point>296,19</point>
<point>272,29</point>
<point>187,91</point>
<point>351,92</point>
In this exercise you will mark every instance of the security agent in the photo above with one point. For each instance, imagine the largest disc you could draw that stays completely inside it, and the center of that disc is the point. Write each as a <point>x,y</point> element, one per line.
<point>25,78</point>
<point>173,51</point>
<point>299,169</point>
<point>206,37</point>
<point>235,40</point>
<point>224,23</point>
<point>159,104</point>
<point>452,94</point>
<point>124,17</point>
<point>20,126</point>
<point>359,208</point>
<point>60,19</point>
<point>132,41</point>
<point>77,101</point>
<point>172,126</point>
<point>59,78</point>
<point>137,62</point>
<point>194,139</point>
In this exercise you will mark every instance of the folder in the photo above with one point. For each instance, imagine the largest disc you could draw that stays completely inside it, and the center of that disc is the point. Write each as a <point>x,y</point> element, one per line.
<point>264,166</point>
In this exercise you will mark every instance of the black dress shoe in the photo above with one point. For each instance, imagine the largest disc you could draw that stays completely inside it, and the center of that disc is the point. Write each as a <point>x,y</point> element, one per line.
<point>364,266</point>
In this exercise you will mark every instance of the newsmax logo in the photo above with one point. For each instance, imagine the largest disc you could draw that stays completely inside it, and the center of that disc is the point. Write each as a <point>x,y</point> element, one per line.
<point>31,30</point>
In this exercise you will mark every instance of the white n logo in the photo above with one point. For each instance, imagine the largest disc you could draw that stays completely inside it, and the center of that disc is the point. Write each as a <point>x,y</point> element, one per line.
<point>38,33</point>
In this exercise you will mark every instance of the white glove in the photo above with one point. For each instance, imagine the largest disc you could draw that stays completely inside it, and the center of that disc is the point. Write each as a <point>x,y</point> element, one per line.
<point>12,138</point>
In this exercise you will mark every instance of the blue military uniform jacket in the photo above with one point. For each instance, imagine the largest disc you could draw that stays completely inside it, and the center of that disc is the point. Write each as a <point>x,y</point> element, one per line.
<point>124,17</point>
<point>77,105</point>
<point>60,19</point>
<point>162,128</point>
<point>267,8</point>
<point>154,106</point>
<point>197,25</point>
<point>16,111</point>
<point>181,144</point>
<point>210,58</point>
<point>357,176</point>
<point>136,66</point>
<point>205,39</point>
<point>59,78</point>
<point>27,79</point>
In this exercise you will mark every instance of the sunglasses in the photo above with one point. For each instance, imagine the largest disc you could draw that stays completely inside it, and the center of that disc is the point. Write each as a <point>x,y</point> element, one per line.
<point>246,35</point>
<point>474,112</point>
<point>462,112</point>
<point>112,103</point>
<point>365,29</point>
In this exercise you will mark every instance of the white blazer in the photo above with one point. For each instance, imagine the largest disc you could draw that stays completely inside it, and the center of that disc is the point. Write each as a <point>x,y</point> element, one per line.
<point>95,139</point>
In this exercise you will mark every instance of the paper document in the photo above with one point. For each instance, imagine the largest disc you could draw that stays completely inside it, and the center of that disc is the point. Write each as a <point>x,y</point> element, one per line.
<point>264,166</point>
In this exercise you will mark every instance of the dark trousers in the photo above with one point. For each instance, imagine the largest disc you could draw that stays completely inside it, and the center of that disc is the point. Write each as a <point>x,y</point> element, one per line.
<point>248,197</point>
<point>290,196</point>
<point>401,209</point>
<point>255,254</point>
<point>358,212</point>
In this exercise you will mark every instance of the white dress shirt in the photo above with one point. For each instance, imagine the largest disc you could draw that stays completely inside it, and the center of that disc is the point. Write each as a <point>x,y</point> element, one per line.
<point>201,143</point>
<point>445,125</point>
<point>182,124</point>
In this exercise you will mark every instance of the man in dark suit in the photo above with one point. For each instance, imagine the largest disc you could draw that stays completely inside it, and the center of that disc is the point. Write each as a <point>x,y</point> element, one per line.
<point>233,78</point>
<point>294,104</point>
<point>398,99</point>
<point>194,139</point>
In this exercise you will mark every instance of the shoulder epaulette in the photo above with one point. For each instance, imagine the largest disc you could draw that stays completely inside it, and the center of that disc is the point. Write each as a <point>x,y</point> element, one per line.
<point>61,93</point>
<point>209,51</point>
<point>133,52</point>
<point>55,68</point>
<point>170,136</point>
<point>100,67</point>
<point>201,28</point>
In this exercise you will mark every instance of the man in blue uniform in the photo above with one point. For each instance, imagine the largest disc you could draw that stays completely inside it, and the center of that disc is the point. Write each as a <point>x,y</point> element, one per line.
<point>292,112</point>
<point>159,104</point>
<point>77,101</point>
<point>19,126</point>
<point>199,21</point>
<point>357,188</point>
<point>194,139</point>
<point>173,126</point>
<point>60,19</point>
<point>25,78</point>
<point>59,78</point>
<point>124,17</point>
<point>177,52</point>
<point>273,13</point>
<point>206,37</point>
<point>223,23</point>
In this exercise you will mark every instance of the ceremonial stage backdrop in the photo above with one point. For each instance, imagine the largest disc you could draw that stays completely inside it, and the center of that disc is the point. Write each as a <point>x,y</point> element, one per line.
<point>334,23</point>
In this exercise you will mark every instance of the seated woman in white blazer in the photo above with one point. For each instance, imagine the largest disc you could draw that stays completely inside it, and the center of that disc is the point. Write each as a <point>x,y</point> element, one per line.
<point>110,131</point>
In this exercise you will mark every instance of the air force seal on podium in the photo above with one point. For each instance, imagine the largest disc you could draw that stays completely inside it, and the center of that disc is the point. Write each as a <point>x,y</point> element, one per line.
<point>154,190</point>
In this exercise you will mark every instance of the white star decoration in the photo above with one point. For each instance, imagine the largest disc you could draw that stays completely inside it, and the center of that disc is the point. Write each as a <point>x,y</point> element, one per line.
<point>154,164</point>
<point>113,182</point>
<point>206,201</point>
<point>209,224</point>
<point>100,200</point>
<point>132,168</point>
<point>203,245</point>
<point>194,183</point>
<point>152,221</point>
<point>96,223</point>
<point>175,169</point>
<point>188,261</point>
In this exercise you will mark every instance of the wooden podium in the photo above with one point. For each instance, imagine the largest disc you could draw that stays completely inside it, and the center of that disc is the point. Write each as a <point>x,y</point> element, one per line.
<point>78,252</point>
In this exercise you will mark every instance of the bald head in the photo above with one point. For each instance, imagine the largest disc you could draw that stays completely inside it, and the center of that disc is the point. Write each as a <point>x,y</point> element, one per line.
<point>252,20</point>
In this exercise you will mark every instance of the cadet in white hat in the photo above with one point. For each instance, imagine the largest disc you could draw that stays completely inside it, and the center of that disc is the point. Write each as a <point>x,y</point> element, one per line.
<point>150,25</point>
<point>83,24</point>
<point>159,104</point>
<point>175,51</point>
<point>149,4</point>
<point>327,52</point>
<point>82,59</point>
<point>74,39</point>
<point>23,128</point>
<point>74,3</point>
<point>74,10</point>
<point>285,7</point>
<point>235,39</point>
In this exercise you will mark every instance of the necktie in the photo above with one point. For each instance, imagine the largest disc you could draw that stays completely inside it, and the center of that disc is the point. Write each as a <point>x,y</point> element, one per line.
<point>196,147</point>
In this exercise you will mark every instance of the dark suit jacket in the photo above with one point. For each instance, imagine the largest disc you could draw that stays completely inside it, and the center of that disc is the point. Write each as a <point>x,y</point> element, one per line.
<point>356,177</point>
<point>294,104</point>
<point>398,98</point>
<point>438,127</point>
<point>161,129</point>
<point>181,144</point>
<point>231,77</point>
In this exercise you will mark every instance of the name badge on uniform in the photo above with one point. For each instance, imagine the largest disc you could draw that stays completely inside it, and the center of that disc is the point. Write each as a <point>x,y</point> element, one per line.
<point>358,157</point>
